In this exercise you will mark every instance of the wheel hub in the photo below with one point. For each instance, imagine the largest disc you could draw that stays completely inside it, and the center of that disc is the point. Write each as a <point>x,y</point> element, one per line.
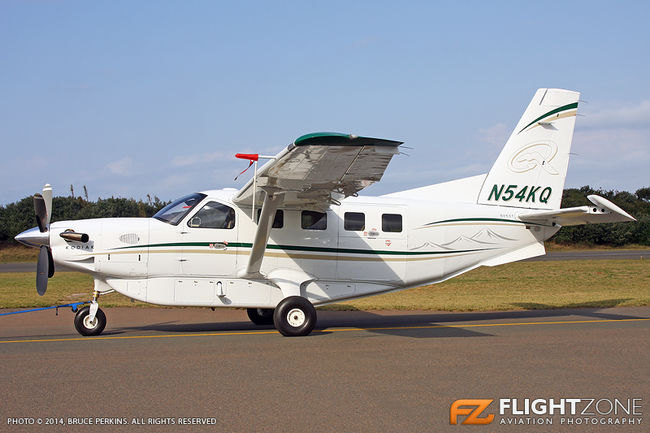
<point>90,323</point>
<point>296,317</point>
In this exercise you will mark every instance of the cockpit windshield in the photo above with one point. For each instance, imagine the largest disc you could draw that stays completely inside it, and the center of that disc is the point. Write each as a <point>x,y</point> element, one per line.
<point>174,212</point>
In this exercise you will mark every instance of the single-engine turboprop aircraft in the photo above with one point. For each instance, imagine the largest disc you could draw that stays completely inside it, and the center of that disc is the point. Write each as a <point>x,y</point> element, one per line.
<point>297,235</point>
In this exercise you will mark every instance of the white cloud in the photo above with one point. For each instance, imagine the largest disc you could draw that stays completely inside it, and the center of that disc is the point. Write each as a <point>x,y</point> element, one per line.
<point>615,158</point>
<point>175,180</point>
<point>626,116</point>
<point>121,166</point>
<point>196,158</point>
<point>614,137</point>
<point>497,134</point>
<point>612,145</point>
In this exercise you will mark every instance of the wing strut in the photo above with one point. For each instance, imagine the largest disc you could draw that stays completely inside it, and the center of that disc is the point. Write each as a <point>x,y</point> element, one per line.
<point>264,225</point>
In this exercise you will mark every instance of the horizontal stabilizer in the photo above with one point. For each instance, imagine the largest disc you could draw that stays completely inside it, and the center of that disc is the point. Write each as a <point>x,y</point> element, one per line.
<point>603,211</point>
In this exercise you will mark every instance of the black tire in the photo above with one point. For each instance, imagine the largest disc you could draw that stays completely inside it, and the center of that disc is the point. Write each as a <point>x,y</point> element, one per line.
<point>294,316</point>
<point>261,316</point>
<point>84,328</point>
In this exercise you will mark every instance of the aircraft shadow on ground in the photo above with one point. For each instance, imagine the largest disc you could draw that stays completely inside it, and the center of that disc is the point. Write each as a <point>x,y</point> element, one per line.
<point>428,330</point>
<point>406,325</point>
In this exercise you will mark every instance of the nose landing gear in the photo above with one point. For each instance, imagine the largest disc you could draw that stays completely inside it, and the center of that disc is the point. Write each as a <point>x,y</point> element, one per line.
<point>90,320</point>
<point>87,325</point>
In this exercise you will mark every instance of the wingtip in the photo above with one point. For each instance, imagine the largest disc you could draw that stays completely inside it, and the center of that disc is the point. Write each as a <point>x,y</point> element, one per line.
<point>605,204</point>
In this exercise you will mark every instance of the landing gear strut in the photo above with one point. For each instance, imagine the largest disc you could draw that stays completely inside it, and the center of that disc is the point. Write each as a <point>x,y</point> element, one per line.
<point>294,316</point>
<point>90,320</point>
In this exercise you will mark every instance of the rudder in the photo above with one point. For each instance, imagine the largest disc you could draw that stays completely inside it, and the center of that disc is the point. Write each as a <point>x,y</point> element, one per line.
<point>531,169</point>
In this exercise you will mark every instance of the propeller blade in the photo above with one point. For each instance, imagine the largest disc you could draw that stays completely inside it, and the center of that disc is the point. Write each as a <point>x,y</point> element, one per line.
<point>42,270</point>
<point>50,263</point>
<point>47,196</point>
<point>40,210</point>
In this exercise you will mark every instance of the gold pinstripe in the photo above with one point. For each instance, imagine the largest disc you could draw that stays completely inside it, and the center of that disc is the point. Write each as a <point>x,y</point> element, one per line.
<point>570,113</point>
<point>294,256</point>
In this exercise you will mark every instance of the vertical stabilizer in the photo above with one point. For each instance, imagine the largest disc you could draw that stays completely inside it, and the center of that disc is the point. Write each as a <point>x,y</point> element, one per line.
<point>531,168</point>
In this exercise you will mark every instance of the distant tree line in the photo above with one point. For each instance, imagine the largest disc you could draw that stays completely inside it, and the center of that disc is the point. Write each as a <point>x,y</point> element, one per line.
<point>19,216</point>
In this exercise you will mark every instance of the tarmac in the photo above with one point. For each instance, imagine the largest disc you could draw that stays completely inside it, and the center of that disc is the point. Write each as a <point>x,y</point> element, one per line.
<point>158,369</point>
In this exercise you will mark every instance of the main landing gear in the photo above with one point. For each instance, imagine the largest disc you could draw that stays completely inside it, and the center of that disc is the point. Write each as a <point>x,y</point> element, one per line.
<point>90,320</point>
<point>294,316</point>
<point>261,316</point>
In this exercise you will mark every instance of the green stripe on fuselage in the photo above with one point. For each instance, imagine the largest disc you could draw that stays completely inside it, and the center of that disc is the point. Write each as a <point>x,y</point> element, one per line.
<point>500,220</point>
<point>301,248</point>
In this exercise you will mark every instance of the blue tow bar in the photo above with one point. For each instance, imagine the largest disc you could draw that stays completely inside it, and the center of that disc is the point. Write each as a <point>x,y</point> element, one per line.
<point>75,306</point>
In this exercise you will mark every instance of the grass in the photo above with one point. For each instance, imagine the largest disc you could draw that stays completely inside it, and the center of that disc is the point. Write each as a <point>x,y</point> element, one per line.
<point>18,290</point>
<point>527,285</point>
<point>515,286</point>
<point>13,253</point>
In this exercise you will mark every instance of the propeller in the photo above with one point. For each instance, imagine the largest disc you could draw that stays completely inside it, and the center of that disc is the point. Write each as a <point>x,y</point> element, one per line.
<point>43,211</point>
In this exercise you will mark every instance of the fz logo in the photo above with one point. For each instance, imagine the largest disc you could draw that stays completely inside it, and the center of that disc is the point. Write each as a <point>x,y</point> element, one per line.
<point>472,409</point>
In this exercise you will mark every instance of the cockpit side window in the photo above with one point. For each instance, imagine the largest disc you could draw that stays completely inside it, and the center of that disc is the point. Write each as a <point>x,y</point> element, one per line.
<point>213,215</point>
<point>175,211</point>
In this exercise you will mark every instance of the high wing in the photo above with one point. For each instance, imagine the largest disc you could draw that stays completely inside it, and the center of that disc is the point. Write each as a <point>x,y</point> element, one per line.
<point>314,171</point>
<point>321,168</point>
<point>603,211</point>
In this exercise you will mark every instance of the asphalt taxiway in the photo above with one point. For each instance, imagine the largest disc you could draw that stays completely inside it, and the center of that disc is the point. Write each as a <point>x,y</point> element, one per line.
<point>359,371</point>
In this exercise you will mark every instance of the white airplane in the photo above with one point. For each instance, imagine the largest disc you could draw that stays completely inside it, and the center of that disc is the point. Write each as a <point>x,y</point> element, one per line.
<point>297,235</point>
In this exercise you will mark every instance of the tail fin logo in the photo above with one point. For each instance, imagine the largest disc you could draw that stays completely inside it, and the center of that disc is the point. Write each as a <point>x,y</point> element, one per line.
<point>532,156</point>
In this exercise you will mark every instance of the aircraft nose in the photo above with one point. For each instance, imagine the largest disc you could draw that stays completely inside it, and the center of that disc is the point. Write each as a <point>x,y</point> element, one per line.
<point>33,238</point>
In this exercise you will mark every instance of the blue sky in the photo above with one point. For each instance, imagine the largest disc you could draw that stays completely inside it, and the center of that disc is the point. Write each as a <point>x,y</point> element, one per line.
<point>154,97</point>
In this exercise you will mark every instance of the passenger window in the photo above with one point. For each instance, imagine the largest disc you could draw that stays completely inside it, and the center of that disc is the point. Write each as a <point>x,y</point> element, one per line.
<point>311,220</point>
<point>391,222</point>
<point>213,216</point>
<point>354,221</point>
<point>278,221</point>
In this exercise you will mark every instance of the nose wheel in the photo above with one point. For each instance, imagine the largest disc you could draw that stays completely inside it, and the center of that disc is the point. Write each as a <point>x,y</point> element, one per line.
<point>87,325</point>
<point>91,320</point>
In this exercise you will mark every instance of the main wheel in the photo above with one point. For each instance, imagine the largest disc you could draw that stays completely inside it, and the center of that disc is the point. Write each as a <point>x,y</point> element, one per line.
<point>294,316</point>
<point>87,327</point>
<point>260,316</point>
